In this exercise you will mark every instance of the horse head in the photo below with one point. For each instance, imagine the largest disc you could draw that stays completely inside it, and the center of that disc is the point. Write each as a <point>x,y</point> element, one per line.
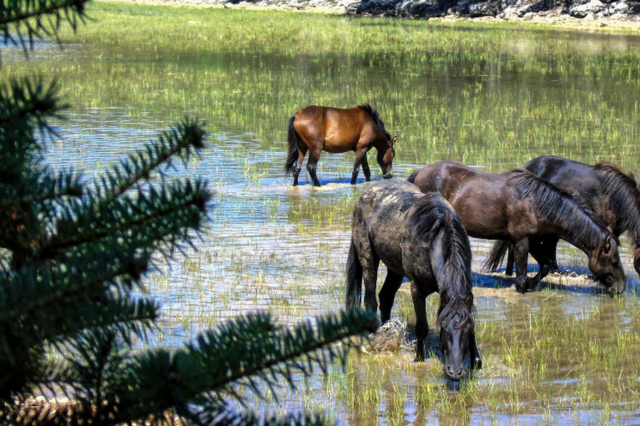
<point>605,263</point>
<point>385,158</point>
<point>456,334</point>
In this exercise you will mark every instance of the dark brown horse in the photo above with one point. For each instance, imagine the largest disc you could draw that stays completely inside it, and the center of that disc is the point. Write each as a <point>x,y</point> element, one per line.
<point>611,195</point>
<point>521,208</point>
<point>420,237</point>
<point>316,129</point>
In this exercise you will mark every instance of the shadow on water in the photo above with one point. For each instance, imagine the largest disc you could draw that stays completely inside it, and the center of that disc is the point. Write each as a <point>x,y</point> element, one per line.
<point>575,279</point>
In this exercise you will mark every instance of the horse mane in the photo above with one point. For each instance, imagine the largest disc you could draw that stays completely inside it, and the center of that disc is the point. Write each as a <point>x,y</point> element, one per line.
<point>555,205</point>
<point>376,117</point>
<point>624,196</point>
<point>432,216</point>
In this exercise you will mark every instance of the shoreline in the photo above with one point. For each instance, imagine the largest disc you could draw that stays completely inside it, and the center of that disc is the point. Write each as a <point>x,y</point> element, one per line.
<point>552,19</point>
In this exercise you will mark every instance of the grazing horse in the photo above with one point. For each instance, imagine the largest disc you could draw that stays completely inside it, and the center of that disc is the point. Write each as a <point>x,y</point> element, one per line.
<point>521,208</point>
<point>316,129</point>
<point>420,237</point>
<point>611,195</point>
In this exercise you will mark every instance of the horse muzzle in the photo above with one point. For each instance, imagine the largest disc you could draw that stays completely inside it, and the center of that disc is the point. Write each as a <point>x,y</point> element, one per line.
<point>387,175</point>
<point>454,373</point>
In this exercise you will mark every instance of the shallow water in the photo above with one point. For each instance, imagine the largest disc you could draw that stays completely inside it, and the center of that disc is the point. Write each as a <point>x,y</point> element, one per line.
<point>564,355</point>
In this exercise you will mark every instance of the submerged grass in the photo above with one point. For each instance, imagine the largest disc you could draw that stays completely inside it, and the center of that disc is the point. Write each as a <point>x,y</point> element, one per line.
<point>483,94</point>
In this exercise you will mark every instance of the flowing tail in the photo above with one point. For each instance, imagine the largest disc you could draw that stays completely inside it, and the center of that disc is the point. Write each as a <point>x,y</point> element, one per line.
<point>499,250</point>
<point>354,279</point>
<point>292,139</point>
<point>412,177</point>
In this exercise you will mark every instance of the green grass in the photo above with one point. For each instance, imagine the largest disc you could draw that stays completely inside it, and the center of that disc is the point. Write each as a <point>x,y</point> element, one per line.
<point>478,93</point>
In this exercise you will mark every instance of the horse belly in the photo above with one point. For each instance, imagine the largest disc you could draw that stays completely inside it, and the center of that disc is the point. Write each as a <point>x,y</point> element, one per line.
<point>482,218</point>
<point>335,146</point>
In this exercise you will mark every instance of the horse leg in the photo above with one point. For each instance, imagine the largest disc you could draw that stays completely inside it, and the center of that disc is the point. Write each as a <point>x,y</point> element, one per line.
<point>474,355</point>
<point>510,259</point>
<point>422,327</point>
<point>311,167</point>
<point>365,168</point>
<point>388,294</point>
<point>360,154</point>
<point>550,247</point>
<point>540,256</point>
<point>302,151</point>
<point>370,278</point>
<point>521,256</point>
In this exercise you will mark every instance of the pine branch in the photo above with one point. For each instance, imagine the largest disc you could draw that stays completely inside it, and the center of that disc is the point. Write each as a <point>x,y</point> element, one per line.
<point>48,188</point>
<point>29,100</point>
<point>166,212</point>
<point>40,18</point>
<point>23,294</point>
<point>185,139</point>
<point>160,380</point>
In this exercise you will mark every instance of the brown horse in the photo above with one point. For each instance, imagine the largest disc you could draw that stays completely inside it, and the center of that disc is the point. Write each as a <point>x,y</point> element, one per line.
<point>521,208</point>
<point>338,130</point>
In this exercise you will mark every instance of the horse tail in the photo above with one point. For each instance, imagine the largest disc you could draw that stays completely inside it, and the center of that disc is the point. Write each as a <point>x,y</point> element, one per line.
<point>498,252</point>
<point>354,278</point>
<point>292,139</point>
<point>412,177</point>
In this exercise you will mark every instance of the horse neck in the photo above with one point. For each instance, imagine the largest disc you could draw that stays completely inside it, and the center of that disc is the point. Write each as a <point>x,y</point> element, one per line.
<point>578,227</point>
<point>625,207</point>
<point>450,274</point>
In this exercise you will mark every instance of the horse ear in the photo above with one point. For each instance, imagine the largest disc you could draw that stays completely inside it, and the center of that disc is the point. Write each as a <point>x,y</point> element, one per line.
<point>393,141</point>
<point>469,301</point>
<point>607,244</point>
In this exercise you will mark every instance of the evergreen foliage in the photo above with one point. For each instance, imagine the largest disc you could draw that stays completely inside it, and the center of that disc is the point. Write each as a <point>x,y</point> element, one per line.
<point>73,252</point>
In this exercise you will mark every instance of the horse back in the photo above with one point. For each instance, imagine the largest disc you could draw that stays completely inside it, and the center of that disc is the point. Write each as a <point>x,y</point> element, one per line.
<point>377,221</point>
<point>579,179</point>
<point>482,200</point>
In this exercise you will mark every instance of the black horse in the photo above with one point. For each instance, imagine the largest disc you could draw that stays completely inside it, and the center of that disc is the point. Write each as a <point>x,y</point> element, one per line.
<point>610,194</point>
<point>521,208</point>
<point>420,237</point>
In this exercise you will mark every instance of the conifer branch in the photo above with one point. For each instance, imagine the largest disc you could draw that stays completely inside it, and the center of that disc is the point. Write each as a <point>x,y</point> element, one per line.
<point>14,14</point>
<point>185,139</point>
<point>141,211</point>
<point>163,379</point>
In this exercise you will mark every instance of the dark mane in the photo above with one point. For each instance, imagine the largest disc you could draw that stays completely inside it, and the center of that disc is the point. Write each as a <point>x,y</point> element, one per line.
<point>623,197</point>
<point>556,206</point>
<point>432,216</point>
<point>376,117</point>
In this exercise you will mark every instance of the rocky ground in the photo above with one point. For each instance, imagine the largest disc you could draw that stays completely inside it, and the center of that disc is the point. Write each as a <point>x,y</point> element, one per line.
<point>584,14</point>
